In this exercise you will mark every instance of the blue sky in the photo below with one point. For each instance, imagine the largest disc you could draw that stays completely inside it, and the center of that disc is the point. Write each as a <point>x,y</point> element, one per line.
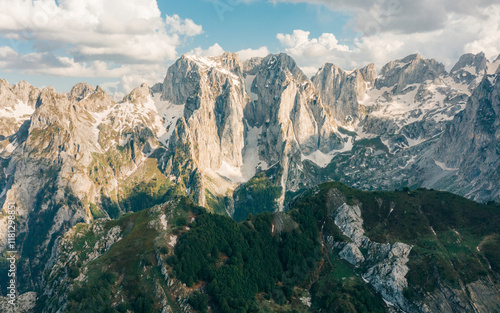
<point>242,26</point>
<point>120,44</point>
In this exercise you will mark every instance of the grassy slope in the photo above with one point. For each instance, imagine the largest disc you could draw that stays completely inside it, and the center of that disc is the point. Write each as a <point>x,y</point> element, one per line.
<point>454,240</point>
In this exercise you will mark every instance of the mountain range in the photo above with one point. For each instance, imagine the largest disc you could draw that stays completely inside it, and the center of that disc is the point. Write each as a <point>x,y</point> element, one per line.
<point>241,138</point>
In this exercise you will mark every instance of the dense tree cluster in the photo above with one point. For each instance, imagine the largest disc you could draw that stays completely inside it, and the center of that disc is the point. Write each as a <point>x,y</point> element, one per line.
<point>257,196</point>
<point>237,260</point>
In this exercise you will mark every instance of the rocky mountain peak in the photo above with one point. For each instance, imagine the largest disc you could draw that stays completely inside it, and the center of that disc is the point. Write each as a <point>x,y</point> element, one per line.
<point>474,63</point>
<point>81,91</point>
<point>17,103</point>
<point>469,144</point>
<point>412,57</point>
<point>97,101</point>
<point>50,96</point>
<point>139,94</point>
<point>227,61</point>
<point>7,96</point>
<point>341,91</point>
<point>471,67</point>
<point>93,99</point>
<point>230,61</point>
<point>369,73</point>
<point>21,91</point>
<point>274,75</point>
<point>183,79</point>
<point>329,68</point>
<point>26,93</point>
<point>211,91</point>
<point>413,69</point>
<point>281,63</point>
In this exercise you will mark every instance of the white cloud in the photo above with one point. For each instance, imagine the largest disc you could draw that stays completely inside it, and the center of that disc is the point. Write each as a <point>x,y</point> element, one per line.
<point>186,27</point>
<point>216,50</point>
<point>299,44</point>
<point>6,52</point>
<point>250,53</point>
<point>401,16</point>
<point>488,35</point>
<point>48,64</point>
<point>392,29</point>
<point>91,38</point>
<point>126,32</point>
<point>312,53</point>
<point>460,34</point>
<point>211,51</point>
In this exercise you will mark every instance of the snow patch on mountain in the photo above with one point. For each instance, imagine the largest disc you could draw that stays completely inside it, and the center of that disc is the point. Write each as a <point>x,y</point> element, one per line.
<point>232,173</point>
<point>444,167</point>
<point>248,87</point>
<point>251,158</point>
<point>212,63</point>
<point>323,159</point>
<point>21,111</point>
<point>493,67</point>
<point>169,113</point>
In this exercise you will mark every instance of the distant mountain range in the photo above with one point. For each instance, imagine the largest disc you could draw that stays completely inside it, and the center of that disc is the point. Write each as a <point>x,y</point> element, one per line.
<point>239,138</point>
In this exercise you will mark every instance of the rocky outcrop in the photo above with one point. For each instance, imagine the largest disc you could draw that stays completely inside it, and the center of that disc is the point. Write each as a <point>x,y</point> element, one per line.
<point>351,253</point>
<point>17,104</point>
<point>384,265</point>
<point>251,66</point>
<point>480,296</point>
<point>386,271</point>
<point>24,303</point>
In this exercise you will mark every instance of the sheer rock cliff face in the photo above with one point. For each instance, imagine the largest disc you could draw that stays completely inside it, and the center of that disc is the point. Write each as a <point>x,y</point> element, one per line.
<point>470,142</point>
<point>342,91</point>
<point>214,97</point>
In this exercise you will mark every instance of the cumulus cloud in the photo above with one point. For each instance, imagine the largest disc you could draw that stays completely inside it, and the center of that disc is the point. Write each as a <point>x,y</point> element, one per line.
<point>298,43</point>
<point>214,50</point>
<point>186,27</point>
<point>7,52</point>
<point>458,34</point>
<point>401,16</point>
<point>90,38</point>
<point>126,32</point>
<point>48,64</point>
<point>251,53</point>
<point>487,34</point>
